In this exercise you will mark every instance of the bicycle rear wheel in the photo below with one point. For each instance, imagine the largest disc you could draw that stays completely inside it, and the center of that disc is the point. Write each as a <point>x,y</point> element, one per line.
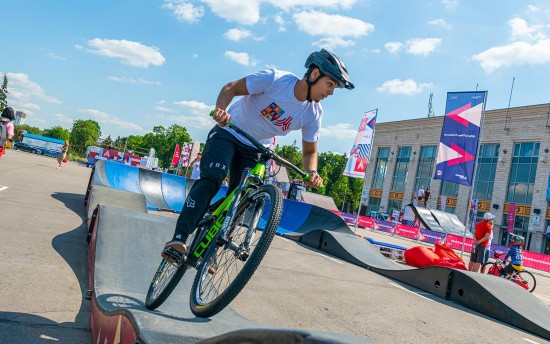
<point>257,216</point>
<point>527,279</point>
<point>165,281</point>
<point>489,269</point>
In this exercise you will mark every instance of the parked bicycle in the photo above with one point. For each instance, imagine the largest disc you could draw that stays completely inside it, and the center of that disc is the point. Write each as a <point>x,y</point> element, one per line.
<point>523,278</point>
<point>229,242</point>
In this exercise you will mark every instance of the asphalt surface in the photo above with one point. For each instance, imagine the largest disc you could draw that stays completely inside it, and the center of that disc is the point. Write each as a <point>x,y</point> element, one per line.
<point>43,276</point>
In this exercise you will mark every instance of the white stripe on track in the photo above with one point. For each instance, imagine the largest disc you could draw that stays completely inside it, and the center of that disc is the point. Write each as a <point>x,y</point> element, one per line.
<point>530,341</point>
<point>2,188</point>
<point>410,291</point>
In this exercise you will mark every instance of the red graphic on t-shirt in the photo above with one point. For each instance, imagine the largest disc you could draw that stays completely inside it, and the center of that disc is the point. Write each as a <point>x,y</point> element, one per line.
<point>284,123</point>
<point>275,114</point>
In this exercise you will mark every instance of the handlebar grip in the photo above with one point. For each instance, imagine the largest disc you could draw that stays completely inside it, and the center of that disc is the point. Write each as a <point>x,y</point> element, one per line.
<point>231,124</point>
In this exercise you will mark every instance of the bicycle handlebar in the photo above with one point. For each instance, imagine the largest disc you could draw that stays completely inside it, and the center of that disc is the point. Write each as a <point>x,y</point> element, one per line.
<point>266,150</point>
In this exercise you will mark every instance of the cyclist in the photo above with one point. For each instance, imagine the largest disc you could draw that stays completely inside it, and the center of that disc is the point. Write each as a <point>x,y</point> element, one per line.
<point>273,103</point>
<point>515,253</point>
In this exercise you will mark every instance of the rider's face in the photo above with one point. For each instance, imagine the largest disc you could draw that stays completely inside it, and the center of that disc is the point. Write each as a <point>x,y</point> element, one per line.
<point>322,88</point>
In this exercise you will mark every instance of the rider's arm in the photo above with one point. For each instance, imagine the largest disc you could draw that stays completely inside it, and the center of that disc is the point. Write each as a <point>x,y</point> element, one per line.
<point>486,237</point>
<point>309,161</point>
<point>228,92</point>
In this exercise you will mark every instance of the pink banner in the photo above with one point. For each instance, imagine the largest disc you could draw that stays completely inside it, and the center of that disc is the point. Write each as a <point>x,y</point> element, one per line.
<point>511,217</point>
<point>176,157</point>
<point>407,231</point>
<point>455,241</point>
<point>537,261</point>
<point>367,222</point>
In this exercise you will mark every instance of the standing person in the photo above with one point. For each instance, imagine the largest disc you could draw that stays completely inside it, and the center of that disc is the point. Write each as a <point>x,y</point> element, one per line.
<point>426,197</point>
<point>482,233</point>
<point>421,194</point>
<point>5,119</point>
<point>63,154</point>
<point>196,172</point>
<point>273,103</point>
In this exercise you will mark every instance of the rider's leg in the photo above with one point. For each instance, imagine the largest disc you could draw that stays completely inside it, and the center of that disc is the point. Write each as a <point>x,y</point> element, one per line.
<point>216,159</point>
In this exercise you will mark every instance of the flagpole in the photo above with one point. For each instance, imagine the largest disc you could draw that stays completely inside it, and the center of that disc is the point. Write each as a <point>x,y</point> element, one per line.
<point>471,193</point>
<point>365,176</point>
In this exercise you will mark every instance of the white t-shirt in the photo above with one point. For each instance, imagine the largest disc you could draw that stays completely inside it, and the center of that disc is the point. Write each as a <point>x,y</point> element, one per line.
<point>271,109</point>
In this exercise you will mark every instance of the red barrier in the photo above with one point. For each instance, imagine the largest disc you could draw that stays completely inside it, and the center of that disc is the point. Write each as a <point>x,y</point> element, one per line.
<point>367,222</point>
<point>407,231</point>
<point>537,261</point>
<point>455,241</point>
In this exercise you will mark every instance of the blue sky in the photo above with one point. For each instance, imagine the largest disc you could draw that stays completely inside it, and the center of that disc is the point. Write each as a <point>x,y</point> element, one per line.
<point>131,65</point>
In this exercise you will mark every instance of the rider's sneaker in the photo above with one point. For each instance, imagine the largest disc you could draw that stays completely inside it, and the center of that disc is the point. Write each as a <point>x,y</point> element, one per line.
<point>176,245</point>
<point>213,268</point>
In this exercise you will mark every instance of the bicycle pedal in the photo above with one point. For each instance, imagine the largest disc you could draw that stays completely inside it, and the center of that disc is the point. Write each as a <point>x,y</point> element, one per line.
<point>173,256</point>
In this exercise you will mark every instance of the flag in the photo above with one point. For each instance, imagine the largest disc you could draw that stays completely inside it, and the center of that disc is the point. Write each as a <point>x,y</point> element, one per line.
<point>456,155</point>
<point>360,152</point>
<point>176,156</point>
<point>185,152</point>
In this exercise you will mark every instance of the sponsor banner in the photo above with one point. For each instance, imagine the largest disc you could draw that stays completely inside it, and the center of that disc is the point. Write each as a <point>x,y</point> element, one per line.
<point>349,218</point>
<point>384,226</point>
<point>511,216</point>
<point>366,222</point>
<point>406,231</point>
<point>185,152</point>
<point>360,152</point>
<point>432,236</point>
<point>460,134</point>
<point>455,241</point>
<point>537,261</point>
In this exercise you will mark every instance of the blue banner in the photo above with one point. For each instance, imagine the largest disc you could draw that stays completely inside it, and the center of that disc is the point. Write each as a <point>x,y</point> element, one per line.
<point>456,155</point>
<point>548,190</point>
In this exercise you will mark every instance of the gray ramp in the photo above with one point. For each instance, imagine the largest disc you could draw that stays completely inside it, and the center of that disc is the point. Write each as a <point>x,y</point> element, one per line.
<point>151,186</point>
<point>127,252</point>
<point>99,174</point>
<point>495,297</point>
<point>427,219</point>
<point>450,223</point>
<point>114,198</point>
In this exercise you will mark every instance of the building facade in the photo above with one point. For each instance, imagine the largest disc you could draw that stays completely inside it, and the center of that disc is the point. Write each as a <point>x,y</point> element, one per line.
<point>512,167</point>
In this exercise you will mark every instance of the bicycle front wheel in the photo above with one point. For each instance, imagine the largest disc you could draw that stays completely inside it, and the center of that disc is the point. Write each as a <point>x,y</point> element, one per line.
<point>165,280</point>
<point>227,267</point>
<point>527,280</point>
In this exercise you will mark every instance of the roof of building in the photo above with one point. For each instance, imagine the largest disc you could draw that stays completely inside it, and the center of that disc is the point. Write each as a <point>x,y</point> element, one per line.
<point>43,138</point>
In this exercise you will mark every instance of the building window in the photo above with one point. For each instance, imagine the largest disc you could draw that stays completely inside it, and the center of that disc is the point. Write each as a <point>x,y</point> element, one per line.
<point>521,225</point>
<point>381,167</point>
<point>394,204</point>
<point>374,204</point>
<point>487,160</point>
<point>401,169</point>
<point>449,189</point>
<point>523,172</point>
<point>424,172</point>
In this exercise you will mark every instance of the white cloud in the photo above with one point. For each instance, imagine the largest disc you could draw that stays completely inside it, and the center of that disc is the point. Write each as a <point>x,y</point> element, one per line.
<point>322,24</point>
<point>164,109</point>
<point>185,11</point>
<point>131,53</point>
<point>195,107</point>
<point>422,46</point>
<point>450,4</point>
<point>238,35</point>
<point>517,53</point>
<point>241,58</point>
<point>104,118</point>
<point>243,12</point>
<point>191,121</point>
<point>330,43</point>
<point>441,23</point>
<point>407,87</point>
<point>64,119</point>
<point>288,4</point>
<point>24,93</point>
<point>393,47</point>
<point>521,30</point>
<point>133,80</point>
<point>196,114</point>
<point>340,131</point>
<point>280,21</point>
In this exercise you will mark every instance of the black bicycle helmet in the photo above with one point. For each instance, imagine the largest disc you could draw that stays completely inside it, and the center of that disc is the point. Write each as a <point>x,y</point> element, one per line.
<point>329,65</point>
<point>8,113</point>
<point>516,240</point>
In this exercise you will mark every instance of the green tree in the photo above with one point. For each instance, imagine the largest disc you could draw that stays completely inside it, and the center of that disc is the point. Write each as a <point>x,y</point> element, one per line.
<point>83,134</point>
<point>164,140</point>
<point>58,132</point>
<point>25,128</point>
<point>4,94</point>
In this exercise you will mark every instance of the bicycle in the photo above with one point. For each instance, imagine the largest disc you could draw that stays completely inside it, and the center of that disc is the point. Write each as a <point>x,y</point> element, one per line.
<point>523,278</point>
<point>224,248</point>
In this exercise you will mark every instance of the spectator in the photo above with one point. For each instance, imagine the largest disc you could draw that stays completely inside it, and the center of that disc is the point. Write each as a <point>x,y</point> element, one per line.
<point>6,118</point>
<point>420,194</point>
<point>62,156</point>
<point>482,233</point>
<point>426,197</point>
<point>196,172</point>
